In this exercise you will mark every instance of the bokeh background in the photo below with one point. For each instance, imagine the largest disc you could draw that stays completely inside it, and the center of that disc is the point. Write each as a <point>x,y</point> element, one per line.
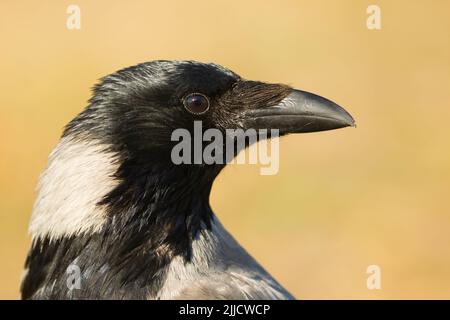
<point>343,200</point>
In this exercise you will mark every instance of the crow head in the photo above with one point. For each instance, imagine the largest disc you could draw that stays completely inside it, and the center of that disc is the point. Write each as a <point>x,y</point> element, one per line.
<point>115,157</point>
<point>136,110</point>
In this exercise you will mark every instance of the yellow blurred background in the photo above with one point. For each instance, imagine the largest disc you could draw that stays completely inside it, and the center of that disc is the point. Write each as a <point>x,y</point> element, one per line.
<point>343,200</point>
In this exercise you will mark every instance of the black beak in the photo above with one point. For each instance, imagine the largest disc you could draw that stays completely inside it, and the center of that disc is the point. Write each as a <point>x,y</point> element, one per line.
<point>300,112</point>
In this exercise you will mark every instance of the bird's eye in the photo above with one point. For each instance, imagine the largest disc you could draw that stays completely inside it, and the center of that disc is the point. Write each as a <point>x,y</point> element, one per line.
<point>196,103</point>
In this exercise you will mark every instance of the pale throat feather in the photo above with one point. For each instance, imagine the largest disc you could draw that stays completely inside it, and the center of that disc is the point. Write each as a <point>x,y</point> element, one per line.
<point>80,172</point>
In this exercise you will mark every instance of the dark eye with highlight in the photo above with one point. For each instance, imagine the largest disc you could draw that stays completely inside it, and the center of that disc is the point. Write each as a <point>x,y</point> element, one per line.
<point>196,103</point>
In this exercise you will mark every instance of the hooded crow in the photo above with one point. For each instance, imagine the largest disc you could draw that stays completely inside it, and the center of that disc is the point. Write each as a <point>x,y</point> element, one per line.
<point>116,218</point>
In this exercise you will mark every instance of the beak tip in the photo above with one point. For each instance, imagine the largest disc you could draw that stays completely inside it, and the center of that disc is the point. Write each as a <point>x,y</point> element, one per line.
<point>351,123</point>
<point>342,115</point>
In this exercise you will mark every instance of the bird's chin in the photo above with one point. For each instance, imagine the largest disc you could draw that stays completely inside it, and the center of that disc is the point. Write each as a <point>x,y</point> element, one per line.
<point>300,112</point>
